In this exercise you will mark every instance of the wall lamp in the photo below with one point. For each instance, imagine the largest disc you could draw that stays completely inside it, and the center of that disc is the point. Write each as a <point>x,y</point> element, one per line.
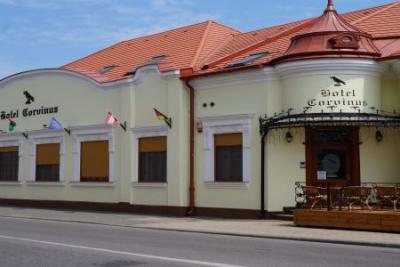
<point>289,137</point>
<point>378,136</point>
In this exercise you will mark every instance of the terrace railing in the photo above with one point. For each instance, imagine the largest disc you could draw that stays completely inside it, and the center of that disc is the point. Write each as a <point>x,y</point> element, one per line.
<point>369,195</point>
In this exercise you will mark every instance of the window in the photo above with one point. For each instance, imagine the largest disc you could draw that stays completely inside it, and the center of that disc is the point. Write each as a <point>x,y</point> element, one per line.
<point>153,159</point>
<point>227,150</point>
<point>48,162</point>
<point>9,163</point>
<point>94,161</point>
<point>228,157</point>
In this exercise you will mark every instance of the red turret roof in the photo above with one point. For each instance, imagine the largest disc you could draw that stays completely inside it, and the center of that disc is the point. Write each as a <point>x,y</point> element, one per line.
<point>330,36</point>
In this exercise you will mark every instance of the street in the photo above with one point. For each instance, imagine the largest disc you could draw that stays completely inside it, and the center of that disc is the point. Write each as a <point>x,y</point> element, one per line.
<point>28,242</point>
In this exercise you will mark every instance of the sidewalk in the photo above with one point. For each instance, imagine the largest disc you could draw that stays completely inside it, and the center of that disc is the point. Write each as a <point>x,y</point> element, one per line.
<point>254,228</point>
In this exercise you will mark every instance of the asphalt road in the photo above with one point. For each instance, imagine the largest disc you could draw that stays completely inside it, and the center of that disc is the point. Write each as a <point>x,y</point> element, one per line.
<point>34,243</point>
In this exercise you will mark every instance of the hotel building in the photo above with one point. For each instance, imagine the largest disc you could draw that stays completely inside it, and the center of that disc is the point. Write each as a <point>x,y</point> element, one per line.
<point>251,114</point>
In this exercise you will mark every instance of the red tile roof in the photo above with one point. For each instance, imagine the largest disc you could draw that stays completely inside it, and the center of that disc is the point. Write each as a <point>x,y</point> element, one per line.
<point>207,47</point>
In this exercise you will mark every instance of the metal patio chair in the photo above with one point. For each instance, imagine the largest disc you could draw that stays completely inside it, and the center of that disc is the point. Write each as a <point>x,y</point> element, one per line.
<point>314,195</point>
<point>357,195</point>
<point>387,195</point>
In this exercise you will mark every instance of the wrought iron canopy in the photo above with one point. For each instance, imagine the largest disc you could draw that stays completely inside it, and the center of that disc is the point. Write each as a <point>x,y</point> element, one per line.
<point>287,120</point>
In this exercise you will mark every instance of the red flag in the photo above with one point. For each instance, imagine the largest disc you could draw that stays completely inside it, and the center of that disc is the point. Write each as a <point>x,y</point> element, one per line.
<point>110,119</point>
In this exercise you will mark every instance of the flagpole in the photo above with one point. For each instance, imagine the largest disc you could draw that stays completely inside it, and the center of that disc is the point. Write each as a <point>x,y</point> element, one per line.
<point>123,125</point>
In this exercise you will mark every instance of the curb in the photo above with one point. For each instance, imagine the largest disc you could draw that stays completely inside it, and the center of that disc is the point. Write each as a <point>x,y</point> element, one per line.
<point>303,239</point>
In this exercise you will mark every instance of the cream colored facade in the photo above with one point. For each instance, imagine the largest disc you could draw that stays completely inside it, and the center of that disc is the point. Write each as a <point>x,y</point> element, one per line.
<point>239,99</point>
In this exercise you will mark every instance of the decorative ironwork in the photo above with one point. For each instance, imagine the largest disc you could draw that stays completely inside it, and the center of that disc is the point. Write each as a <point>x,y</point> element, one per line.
<point>288,120</point>
<point>374,196</point>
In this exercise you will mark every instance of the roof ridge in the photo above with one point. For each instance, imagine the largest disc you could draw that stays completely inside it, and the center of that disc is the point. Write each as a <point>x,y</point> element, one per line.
<point>218,48</point>
<point>201,44</point>
<point>261,43</point>
<point>389,6</point>
<point>167,31</point>
<point>225,26</point>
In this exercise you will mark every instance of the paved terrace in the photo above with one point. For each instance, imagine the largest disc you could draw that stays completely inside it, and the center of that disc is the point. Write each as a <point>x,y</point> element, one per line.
<point>255,228</point>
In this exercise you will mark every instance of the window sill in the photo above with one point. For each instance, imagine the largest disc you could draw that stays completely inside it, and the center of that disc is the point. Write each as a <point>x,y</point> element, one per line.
<point>34,183</point>
<point>93,184</point>
<point>226,185</point>
<point>11,183</point>
<point>149,185</point>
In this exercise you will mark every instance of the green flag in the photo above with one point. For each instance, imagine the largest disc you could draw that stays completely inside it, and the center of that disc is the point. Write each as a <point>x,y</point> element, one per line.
<point>11,125</point>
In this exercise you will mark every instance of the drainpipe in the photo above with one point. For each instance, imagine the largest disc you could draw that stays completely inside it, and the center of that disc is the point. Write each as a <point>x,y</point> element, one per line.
<point>262,204</point>
<point>191,210</point>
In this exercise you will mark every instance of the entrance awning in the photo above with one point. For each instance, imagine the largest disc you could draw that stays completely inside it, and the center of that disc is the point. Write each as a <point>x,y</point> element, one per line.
<point>334,119</point>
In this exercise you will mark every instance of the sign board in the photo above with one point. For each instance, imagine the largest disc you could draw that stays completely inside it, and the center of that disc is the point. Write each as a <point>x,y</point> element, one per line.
<point>321,175</point>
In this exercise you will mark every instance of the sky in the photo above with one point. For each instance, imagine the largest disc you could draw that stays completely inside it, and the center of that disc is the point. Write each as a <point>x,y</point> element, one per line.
<point>50,33</point>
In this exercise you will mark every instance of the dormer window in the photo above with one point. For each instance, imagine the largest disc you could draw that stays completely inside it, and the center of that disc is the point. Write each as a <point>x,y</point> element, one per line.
<point>247,60</point>
<point>106,69</point>
<point>345,41</point>
<point>154,60</point>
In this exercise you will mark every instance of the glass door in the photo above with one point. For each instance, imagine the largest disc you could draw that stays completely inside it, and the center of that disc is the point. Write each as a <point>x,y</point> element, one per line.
<point>332,154</point>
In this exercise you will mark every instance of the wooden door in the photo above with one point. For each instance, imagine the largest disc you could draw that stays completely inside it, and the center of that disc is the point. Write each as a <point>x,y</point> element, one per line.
<point>334,151</point>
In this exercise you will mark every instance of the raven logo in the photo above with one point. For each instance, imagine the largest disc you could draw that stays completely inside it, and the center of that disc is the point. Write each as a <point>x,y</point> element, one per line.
<point>29,98</point>
<point>338,82</point>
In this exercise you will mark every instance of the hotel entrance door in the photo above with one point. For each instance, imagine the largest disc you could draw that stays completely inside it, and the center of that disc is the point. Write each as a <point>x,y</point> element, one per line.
<point>332,153</point>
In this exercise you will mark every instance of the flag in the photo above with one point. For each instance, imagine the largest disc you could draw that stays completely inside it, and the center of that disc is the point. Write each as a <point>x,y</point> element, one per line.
<point>55,124</point>
<point>12,124</point>
<point>162,117</point>
<point>110,119</point>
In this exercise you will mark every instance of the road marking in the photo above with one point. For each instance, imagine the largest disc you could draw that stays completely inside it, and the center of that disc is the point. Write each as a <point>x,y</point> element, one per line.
<point>205,263</point>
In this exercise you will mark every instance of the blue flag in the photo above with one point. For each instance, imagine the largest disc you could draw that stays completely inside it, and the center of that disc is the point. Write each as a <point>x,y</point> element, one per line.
<point>55,124</point>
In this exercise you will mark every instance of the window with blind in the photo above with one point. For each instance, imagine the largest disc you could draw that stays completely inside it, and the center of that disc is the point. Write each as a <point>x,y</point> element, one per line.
<point>48,162</point>
<point>9,162</point>
<point>153,159</point>
<point>228,157</point>
<point>94,161</point>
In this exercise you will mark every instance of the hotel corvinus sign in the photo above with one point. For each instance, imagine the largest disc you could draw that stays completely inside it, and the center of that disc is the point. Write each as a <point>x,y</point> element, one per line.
<point>27,112</point>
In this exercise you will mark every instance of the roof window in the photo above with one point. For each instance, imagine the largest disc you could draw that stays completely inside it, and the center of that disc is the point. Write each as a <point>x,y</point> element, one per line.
<point>106,69</point>
<point>154,60</point>
<point>247,60</point>
<point>151,61</point>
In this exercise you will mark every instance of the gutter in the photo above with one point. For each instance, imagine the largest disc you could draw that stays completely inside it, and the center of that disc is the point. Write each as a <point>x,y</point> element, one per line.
<point>191,209</point>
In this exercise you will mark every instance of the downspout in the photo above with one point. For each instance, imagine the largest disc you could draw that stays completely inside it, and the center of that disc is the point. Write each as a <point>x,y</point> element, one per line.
<point>191,210</point>
<point>262,204</point>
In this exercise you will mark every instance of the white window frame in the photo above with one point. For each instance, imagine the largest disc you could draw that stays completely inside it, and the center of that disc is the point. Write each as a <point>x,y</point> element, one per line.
<point>223,125</point>
<point>141,132</point>
<point>14,139</point>
<point>46,136</point>
<point>88,133</point>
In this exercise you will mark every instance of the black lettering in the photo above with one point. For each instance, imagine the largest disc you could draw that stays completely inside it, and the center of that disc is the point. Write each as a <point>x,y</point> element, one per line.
<point>311,102</point>
<point>325,93</point>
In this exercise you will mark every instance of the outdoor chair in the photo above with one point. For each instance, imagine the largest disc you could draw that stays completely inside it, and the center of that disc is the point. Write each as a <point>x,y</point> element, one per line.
<point>357,195</point>
<point>387,195</point>
<point>314,195</point>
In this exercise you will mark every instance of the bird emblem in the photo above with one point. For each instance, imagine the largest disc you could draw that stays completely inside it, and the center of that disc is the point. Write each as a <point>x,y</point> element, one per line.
<point>338,82</point>
<point>29,98</point>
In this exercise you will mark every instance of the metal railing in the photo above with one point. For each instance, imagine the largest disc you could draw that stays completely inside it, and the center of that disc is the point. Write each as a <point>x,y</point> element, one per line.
<point>369,195</point>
